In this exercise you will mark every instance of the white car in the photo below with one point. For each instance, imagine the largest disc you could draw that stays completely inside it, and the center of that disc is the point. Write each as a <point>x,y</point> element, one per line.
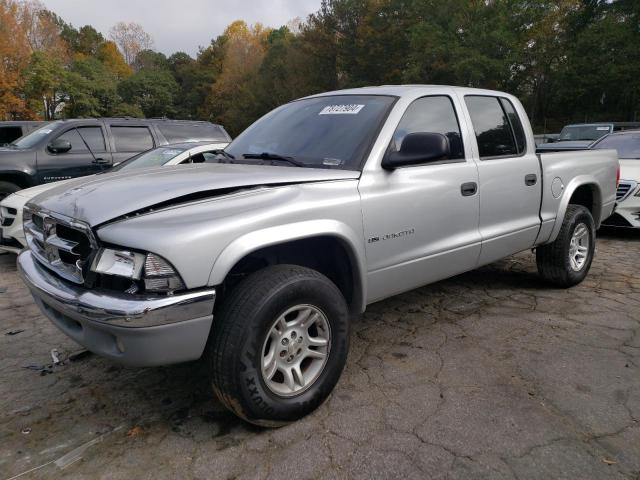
<point>627,212</point>
<point>12,237</point>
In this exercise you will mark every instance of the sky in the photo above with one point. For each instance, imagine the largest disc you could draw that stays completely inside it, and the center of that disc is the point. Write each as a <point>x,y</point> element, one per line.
<point>181,25</point>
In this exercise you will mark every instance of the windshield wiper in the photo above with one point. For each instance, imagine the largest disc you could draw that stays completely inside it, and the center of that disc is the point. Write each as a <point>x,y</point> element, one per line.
<point>225,154</point>
<point>274,156</point>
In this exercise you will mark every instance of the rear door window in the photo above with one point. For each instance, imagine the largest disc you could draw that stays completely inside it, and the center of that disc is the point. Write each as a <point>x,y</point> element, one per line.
<point>516,124</point>
<point>131,139</point>
<point>184,132</point>
<point>492,128</point>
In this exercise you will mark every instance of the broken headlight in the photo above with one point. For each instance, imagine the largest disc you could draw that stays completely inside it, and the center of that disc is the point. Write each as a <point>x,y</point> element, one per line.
<point>149,271</point>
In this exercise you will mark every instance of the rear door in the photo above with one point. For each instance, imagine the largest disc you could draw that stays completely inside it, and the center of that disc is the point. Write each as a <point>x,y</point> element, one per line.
<point>509,177</point>
<point>88,154</point>
<point>129,139</point>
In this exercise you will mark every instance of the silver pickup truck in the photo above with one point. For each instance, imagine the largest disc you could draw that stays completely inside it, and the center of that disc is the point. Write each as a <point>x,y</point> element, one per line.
<point>259,261</point>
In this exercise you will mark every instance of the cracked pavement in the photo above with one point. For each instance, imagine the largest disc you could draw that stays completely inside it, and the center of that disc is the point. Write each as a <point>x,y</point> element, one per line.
<point>491,374</point>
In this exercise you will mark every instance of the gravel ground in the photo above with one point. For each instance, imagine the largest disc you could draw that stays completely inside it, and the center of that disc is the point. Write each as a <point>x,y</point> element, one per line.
<point>491,374</point>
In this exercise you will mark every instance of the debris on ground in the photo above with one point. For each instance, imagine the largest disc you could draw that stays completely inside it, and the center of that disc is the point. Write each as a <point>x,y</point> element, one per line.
<point>43,369</point>
<point>77,453</point>
<point>13,332</point>
<point>3,290</point>
<point>79,355</point>
<point>55,357</point>
<point>609,462</point>
<point>26,431</point>
<point>135,431</point>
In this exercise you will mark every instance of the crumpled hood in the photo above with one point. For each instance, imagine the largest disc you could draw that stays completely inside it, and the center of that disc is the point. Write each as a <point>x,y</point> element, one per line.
<point>101,198</point>
<point>32,192</point>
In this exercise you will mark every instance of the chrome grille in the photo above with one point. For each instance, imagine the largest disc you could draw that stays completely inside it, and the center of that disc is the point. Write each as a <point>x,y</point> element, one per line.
<point>625,188</point>
<point>63,245</point>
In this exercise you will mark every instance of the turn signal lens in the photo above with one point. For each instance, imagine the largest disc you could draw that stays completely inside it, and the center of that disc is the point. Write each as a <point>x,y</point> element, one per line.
<point>159,276</point>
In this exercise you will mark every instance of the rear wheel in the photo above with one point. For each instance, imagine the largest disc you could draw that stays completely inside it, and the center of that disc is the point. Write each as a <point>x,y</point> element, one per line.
<point>279,344</point>
<point>566,261</point>
<point>7,188</point>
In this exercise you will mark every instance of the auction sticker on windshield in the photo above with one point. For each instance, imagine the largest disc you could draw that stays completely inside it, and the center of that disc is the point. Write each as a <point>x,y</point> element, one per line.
<point>351,109</point>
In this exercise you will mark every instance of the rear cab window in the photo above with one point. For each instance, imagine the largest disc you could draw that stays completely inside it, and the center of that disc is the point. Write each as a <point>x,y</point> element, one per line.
<point>497,127</point>
<point>131,138</point>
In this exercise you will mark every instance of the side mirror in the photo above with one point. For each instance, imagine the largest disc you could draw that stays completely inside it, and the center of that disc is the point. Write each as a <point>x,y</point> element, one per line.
<point>418,148</point>
<point>59,146</point>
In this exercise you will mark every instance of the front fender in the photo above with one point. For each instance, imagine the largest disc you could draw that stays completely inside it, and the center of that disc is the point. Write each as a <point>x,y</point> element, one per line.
<point>256,240</point>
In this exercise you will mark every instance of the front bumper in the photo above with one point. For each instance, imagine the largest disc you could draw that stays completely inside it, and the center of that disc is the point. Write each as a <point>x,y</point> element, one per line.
<point>627,214</point>
<point>134,330</point>
<point>12,237</point>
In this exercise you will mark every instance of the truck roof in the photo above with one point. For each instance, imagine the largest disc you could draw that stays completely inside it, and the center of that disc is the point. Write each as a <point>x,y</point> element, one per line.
<point>410,90</point>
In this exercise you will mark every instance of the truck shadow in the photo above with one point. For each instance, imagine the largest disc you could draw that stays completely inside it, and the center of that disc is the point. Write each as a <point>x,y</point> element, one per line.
<point>622,234</point>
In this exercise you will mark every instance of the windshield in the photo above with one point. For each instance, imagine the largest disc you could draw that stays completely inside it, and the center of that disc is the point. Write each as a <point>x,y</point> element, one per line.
<point>323,132</point>
<point>583,132</point>
<point>627,145</point>
<point>150,158</point>
<point>33,138</point>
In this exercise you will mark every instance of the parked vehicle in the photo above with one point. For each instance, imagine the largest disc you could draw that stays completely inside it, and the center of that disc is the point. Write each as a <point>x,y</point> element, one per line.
<point>580,136</point>
<point>14,129</point>
<point>12,238</point>
<point>546,138</point>
<point>321,207</point>
<point>75,148</point>
<point>627,144</point>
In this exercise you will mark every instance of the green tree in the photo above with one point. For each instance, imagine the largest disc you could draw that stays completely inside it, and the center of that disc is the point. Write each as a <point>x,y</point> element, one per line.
<point>91,88</point>
<point>85,40</point>
<point>44,84</point>
<point>153,91</point>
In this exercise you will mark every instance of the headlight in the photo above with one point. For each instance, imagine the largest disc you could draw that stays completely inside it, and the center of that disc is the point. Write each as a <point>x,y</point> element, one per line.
<point>153,271</point>
<point>119,263</point>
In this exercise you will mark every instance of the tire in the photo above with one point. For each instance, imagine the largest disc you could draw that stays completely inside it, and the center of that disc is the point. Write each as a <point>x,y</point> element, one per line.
<point>7,188</point>
<point>243,336</point>
<point>554,259</point>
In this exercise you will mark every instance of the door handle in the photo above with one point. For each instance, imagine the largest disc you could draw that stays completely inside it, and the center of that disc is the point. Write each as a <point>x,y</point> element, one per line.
<point>100,161</point>
<point>468,189</point>
<point>530,179</point>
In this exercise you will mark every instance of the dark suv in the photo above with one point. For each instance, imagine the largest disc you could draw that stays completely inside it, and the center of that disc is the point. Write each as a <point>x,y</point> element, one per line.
<point>73,148</point>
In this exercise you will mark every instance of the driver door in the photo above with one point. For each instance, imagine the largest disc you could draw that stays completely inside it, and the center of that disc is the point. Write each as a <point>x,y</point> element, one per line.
<point>79,160</point>
<point>421,222</point>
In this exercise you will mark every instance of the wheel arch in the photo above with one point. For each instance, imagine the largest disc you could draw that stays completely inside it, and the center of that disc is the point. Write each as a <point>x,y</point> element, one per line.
<point>337,253</point>
<point>21,179</point>
<point>583,191</point>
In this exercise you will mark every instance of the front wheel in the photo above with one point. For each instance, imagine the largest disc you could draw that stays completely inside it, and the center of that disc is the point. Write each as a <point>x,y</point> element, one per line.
<point>279,344</point>
<point>566,261</point>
